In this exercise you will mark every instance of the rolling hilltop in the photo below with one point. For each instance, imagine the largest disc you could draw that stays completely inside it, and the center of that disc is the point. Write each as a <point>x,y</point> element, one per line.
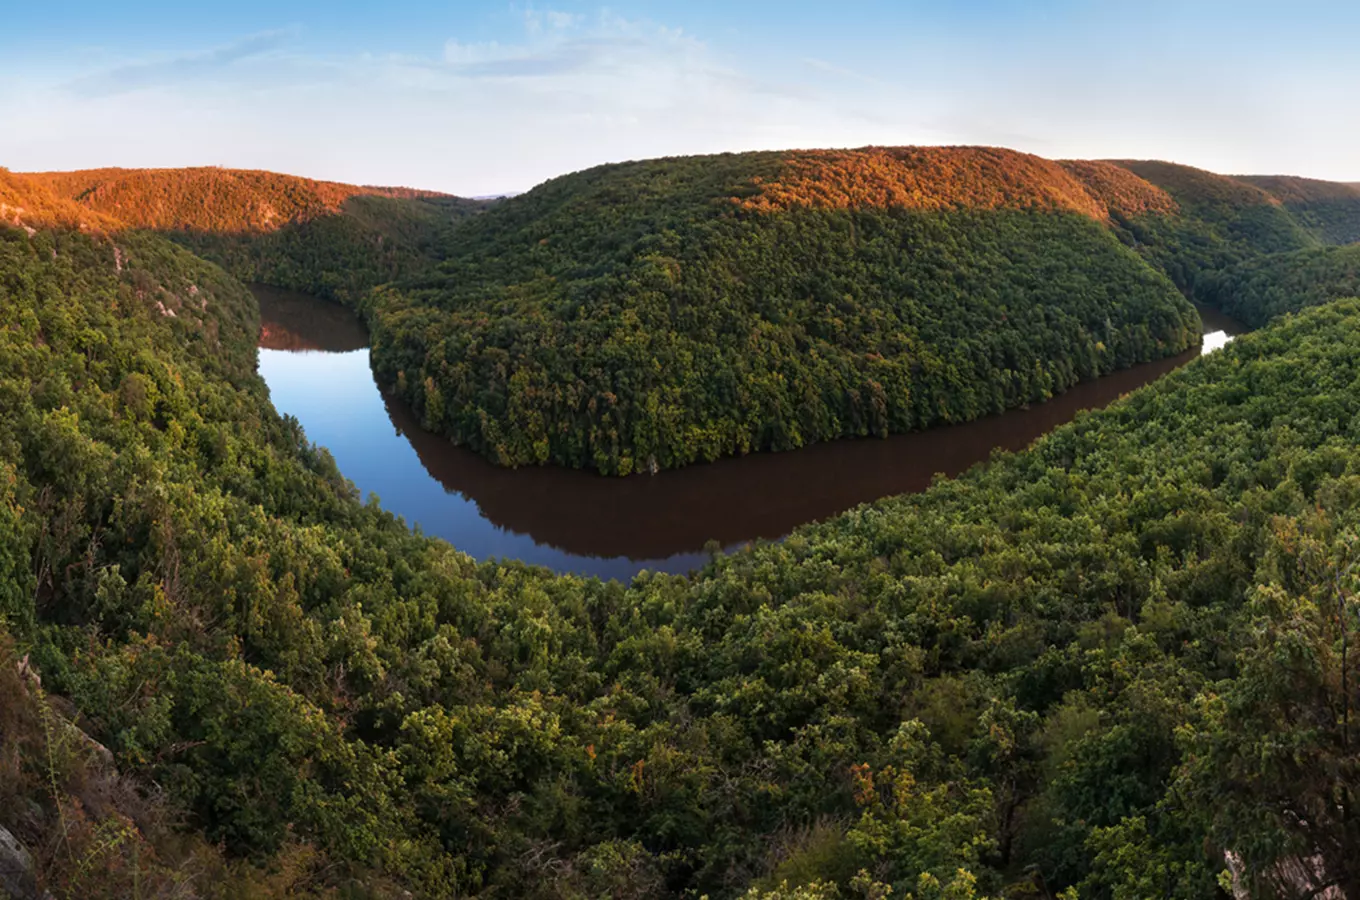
<point>654,314</point>
<point>28,203</point>
<point>211,199</point>
<point>333,240</point>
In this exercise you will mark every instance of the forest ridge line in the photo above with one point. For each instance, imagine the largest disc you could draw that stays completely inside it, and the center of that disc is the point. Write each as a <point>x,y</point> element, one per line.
<point>830,294</point>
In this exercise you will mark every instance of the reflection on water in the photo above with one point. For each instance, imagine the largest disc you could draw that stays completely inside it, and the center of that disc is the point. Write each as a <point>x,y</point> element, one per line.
<point>1218,329</point>
<point>296,322</point>
<point>576,521</point>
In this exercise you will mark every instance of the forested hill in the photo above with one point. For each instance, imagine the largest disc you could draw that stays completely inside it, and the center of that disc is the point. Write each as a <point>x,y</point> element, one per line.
<point>330,239</point>
<point>1088,669</point>
<point>210,199</point>
<point>28,203</point>
<point>1251,246</point>
<point>653,314</point>
<point>1329,210</point>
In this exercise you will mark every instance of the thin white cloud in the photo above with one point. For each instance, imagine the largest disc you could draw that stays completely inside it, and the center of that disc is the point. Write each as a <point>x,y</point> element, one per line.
<point>178,70</point>
<point>822,65</point>
<point>565,91</point>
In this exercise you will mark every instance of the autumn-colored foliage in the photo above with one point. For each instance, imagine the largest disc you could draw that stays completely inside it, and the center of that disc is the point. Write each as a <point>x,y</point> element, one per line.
<point>1119,190</point>
<point>28,203</point>
<point>329,239</point>
<point>946,178</point>
<point>210,199</point>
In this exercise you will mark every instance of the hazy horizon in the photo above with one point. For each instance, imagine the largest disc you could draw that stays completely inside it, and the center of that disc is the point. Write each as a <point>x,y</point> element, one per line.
<point>487,98</point>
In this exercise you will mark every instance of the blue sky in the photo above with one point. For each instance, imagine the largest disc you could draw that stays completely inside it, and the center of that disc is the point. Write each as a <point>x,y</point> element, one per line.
<point>489,96</point>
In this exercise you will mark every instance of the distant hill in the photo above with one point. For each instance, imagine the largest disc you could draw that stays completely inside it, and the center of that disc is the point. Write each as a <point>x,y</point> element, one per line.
<point>1258,290</point>
<point>1252,246</point>
<point>1329,210</point>
<point>331,239</point>
<point>211,199</point>
<point>652,314</point>
<point>1219,221</point>
<point>28,203</point>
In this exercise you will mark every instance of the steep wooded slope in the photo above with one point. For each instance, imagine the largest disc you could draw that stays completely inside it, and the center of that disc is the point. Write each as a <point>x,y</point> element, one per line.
<point>333,240</point>
<point>1100,662</point>
<point>1251,246</point>
<point>1258,290</point>
<point>653,314</point>
<point>29,203</point>
<point>1329,210</point>
<point>1219,221</point>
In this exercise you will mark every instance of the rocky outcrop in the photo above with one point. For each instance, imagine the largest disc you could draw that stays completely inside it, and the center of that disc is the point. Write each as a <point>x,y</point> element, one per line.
<point>18,875</point>
<point>1295,876</point>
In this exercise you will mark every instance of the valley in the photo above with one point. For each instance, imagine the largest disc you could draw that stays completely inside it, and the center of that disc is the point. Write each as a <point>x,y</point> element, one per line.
<point>1102,659</point>
<point>314,359</point>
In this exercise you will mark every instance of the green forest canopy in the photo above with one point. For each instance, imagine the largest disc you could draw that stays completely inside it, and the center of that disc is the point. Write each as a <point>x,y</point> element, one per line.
<point>649,315</point>
<point>1090,667</point>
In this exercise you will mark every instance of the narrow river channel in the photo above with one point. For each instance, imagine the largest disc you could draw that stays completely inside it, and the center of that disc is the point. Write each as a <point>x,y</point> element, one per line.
<point>314,357</point>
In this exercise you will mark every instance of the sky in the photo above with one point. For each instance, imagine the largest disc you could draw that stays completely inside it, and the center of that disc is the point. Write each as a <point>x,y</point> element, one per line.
<point>480,97</point>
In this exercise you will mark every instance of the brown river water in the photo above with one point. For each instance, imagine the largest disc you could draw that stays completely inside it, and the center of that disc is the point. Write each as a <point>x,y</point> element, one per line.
<point>314,357</point>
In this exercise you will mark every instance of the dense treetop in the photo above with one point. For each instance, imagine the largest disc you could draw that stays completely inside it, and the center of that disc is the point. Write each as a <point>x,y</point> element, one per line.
<point>329,239</point>
<point>649,315</point>
<point>210,198</point>
<point>1329,210</point>
<point>1093,666</point>
<point>944,178</point>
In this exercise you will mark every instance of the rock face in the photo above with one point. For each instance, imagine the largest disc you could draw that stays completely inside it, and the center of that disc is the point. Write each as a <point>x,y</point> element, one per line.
<point>17,877</point>
<point>1301,877</point>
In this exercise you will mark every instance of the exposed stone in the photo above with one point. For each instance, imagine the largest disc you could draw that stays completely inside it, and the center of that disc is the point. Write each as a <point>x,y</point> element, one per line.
<point>18,879</point>
<point>1303,877</point>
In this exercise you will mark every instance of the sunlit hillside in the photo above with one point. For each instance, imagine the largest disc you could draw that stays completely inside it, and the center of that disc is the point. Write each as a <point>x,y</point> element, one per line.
<point>334,240</point>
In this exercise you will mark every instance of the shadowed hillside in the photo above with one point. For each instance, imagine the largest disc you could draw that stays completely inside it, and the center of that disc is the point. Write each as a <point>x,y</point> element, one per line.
<point>1329,210</point>
<point>1258,290</point>
<point>1219,221</point>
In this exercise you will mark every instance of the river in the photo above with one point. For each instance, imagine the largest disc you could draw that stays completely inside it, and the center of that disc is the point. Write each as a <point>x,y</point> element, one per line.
<point>314,357</point>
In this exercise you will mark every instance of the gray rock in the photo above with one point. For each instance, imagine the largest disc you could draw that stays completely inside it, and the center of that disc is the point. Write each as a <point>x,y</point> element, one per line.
<point>17,877</point>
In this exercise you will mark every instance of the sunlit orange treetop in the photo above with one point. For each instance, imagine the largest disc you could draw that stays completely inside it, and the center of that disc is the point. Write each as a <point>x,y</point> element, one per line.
<point>26,203</point>
<point>209,199</point>
<point>941,178</point>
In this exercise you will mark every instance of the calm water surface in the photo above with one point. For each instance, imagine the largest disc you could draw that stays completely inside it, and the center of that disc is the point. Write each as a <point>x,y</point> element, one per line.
<point>314,357</point>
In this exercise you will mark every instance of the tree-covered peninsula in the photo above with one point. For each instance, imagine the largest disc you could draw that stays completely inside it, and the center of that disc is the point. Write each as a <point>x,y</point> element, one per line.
<point>650,315</point>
